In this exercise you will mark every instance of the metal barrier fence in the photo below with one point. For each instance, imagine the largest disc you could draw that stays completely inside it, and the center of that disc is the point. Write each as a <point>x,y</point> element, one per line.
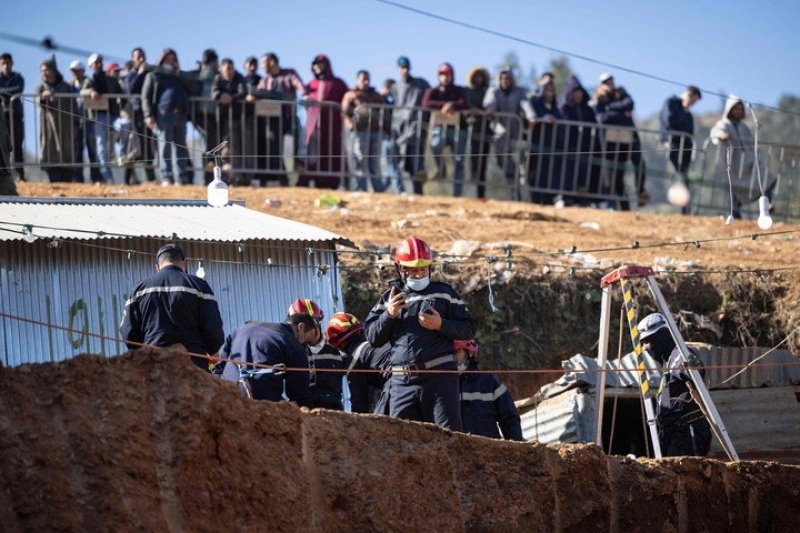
<point>380,147</point>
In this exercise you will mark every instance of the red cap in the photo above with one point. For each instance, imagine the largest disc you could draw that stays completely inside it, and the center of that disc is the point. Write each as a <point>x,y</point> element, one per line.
<point>112,67</point>
<point>446,68</point>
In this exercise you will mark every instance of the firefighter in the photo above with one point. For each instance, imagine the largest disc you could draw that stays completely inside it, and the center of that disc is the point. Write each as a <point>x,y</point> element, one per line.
<point>421,318</point>
<point>346,333</point>
<point>325,386</point>
<point>486,404</point>
<point>682,428</point>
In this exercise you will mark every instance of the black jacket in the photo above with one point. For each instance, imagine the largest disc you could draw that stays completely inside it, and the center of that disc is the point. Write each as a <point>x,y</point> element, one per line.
<point>173,307</point>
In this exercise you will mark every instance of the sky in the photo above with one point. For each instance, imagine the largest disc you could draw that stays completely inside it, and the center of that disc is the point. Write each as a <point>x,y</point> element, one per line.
<point>734,46</point>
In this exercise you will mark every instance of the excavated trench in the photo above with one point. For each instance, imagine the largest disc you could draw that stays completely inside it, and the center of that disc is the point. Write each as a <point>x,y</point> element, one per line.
<point>146,441</point>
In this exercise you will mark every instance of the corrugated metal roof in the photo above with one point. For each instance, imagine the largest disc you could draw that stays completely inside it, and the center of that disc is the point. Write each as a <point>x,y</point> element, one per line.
<point>195,220</point>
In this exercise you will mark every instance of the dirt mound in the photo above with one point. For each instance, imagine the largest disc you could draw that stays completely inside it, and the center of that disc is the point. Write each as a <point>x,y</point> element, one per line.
<point>147,441</point>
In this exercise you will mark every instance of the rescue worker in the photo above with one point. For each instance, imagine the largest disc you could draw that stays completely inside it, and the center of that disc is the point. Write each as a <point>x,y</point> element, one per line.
<point>173,308</point>
<point>346,333</point>
<point>325,386</point>
<point>279,351</point>
<point>421,319</point>
<point>486,404</point>
<point>683,430</point>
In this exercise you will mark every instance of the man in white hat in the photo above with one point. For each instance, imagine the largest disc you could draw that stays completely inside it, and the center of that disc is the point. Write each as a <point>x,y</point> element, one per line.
<point>97,88</point>
<point>682,427</point>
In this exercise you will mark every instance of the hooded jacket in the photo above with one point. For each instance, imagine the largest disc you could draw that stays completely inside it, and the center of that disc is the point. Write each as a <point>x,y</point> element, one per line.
<point>577,137</point>
<point>487,404</point>
<point>513,101</point>
<point>327,89</point>
<point>435,98</point>
<point>57,119</point>
<point>741,138</point>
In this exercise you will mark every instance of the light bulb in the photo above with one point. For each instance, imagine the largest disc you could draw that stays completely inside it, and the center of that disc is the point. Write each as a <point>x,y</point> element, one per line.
<point>678,194</point>
<point>201,272</point>
<point>27,229</point>
<point>764,220</point>
<point>217,190</point>
<point>729,220</point>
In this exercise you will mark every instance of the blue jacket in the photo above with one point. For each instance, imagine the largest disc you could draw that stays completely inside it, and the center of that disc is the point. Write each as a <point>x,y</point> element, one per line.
<point>268,344</point>
<point>674,117</point>
<point>487,404</point>
<point>173,307</point>
<point>411,343</point>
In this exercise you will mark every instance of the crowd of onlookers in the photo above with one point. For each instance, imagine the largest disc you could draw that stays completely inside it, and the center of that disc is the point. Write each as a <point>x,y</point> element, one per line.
<point>574,149</point>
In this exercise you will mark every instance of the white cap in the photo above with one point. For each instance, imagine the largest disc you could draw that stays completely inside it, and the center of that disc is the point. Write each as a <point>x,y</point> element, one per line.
<point>76,65</point>
<point>650,324</point>
<point>605,76</point>
<point>94,57</point>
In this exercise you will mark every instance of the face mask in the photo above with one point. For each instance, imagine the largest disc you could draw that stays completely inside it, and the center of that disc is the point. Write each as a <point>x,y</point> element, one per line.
<point>417,285</point>
<point>315,348</point>
<point>168,67</point>
<point>462,367</point>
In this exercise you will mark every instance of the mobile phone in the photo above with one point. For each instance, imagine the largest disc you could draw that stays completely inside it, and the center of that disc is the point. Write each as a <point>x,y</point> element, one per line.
<point>398,284</point>
<point>426,306</point>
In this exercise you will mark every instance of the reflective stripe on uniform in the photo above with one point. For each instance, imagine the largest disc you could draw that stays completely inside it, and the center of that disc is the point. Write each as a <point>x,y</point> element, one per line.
<point>433,363</point>
<point>484,396</point>
<point>325,357</point>
<point>189,290</point>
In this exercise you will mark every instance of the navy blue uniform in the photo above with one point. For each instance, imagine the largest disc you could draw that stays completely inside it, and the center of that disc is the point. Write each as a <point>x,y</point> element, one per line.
<point>364,356</point>
<point>267,344</point>
<point>173,307</point>
<point>326,386</point>
<point>683,430</point>
<point>487,404</point>
<point>427,397</point>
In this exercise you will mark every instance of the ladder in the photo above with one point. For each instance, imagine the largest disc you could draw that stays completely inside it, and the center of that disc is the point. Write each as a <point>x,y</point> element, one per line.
<point>623,275</point>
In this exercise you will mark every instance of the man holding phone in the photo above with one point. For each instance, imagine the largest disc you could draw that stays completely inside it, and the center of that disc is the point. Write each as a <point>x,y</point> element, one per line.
<point>421,319</point>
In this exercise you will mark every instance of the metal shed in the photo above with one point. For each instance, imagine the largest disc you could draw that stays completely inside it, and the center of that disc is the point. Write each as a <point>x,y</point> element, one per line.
<point>68,265</point>
<point>759,407</point>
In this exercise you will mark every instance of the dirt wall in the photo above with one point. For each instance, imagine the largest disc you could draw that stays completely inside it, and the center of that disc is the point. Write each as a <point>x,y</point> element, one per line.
<point>147,441</point>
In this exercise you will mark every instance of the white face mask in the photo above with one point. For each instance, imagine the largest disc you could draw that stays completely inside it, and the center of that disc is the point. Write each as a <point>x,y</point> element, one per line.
<point>419,284</point>
<point>462,367</point>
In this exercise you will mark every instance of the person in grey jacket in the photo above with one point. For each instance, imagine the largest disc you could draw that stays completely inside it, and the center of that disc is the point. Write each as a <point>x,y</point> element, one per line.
<point>504,103</point>
<point>408,138</point>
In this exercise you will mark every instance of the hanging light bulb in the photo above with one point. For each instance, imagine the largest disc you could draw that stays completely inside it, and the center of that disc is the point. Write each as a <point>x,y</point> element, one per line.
<point>764,220</point>
<point>678,194</point>
<point>27,229</point>
<point>217,189</point>
<point>729,220</point>
<point>201,272</point>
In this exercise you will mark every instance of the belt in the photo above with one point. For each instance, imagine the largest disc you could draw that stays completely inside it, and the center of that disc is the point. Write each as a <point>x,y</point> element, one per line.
<point>413,368</point>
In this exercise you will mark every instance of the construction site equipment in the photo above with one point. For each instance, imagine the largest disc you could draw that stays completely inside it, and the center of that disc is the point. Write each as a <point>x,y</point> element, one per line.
<point>624,275</point>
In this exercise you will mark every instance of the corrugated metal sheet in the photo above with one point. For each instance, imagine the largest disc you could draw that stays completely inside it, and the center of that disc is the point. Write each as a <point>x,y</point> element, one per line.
<point>185,219</point>
<point>60,301</point>
<point>767,418</point>
<point>566,418</point>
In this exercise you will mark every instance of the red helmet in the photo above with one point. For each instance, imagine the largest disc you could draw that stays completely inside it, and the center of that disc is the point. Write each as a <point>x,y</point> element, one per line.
<point>305,306</point>
<point>341,327</point>
<point>414,253</point>
<point>471,345</point>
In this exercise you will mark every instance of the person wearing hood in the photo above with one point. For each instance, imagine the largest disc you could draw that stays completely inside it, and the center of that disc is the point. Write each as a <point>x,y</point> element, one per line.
<point>165,103</point>
<point>735,139</point>
<point>547,145</point>
<point>506,104</point>
<point>582,177</point>
<point>449,125</point>
<point>323,132</point>
<point>58,123</point>
<point>480,131</point>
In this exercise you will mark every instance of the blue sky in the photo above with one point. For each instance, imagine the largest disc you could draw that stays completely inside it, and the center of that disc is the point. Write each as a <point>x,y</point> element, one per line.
<point>736,46</point>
